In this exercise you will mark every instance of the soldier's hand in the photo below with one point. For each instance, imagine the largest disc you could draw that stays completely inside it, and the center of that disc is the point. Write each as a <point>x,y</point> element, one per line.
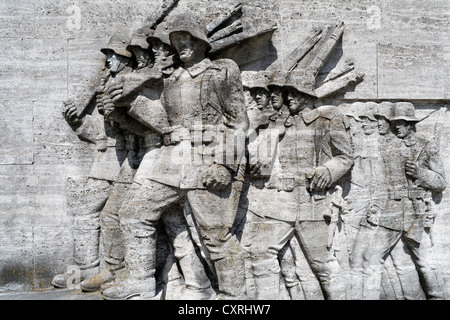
<point>217,177</point>
<point>412,169</point>
<point>70,113</point>
<point>115,92</point>
<point>373,215</point>
<point>260,168</point>
<point>321,179</point>
<point>107,106</point>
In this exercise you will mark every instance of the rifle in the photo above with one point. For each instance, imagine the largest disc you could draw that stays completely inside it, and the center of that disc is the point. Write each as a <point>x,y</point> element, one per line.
<point>224,18</point>
<point>300,52</point>
<point>326,49</point>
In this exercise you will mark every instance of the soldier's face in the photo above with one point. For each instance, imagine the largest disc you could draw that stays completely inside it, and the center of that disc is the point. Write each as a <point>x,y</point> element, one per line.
<point>403,128</point>
<point>142,57</point>
<point>160,50</point>
<point>383,126</point>
<point>114,62</point>
<point>369,126</point>
<point>296,102</point>
<point>277,98</point>
<point>261,97</point>
<point>185,44</point>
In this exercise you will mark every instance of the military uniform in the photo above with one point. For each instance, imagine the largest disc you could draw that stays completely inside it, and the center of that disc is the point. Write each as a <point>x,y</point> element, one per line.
<point>313,138</point>
<point>206,99</point>
<point>405,210</point>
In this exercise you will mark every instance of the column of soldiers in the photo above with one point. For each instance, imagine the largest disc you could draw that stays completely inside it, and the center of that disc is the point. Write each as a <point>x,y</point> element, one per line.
<point>197,154</point>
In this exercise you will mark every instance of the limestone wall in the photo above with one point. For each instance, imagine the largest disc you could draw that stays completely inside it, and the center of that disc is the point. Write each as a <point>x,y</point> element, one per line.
<point>51,52</point>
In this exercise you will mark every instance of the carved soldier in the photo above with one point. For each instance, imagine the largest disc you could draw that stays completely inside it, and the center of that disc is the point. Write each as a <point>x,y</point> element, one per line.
<point>313,155</point>
<point>414,171</point>
<point>89,197</point>
<point>196,282</point>
<point>137,138</point>
<point>208,94</point>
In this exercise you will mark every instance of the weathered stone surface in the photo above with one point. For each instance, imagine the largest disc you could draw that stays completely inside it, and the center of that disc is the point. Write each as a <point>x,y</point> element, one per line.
<point>82,158</point>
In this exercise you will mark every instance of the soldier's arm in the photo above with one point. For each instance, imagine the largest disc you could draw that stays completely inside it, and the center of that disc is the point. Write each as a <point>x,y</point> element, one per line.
<point>341,150</point>
<point>231,95</point>
<point>89,129</point>
<point>431,169</point>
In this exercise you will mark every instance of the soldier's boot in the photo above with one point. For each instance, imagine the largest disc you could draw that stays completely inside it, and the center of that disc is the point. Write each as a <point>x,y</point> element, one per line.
<point>335,288</point>
<point>140,258</point>
<point>371,289</point>
<point>113,261</point>
<point>295,291</point>
<point>121,274</point>
<point>73,276</point>
<point>86,256</point>
<point>267,287</point>
<point>311,289</point>
<point>196,281</point>
<point>231,277</point>
<point>355,287</point>
<point>432,284</point>
<point>407,286</point>
<point>173,280</point>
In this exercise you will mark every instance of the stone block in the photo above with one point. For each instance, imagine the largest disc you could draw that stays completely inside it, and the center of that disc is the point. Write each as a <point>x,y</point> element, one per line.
<point>16,125</point>
<point>17,19</point>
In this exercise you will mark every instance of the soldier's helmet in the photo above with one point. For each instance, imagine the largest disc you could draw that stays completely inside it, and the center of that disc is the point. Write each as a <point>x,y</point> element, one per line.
<point>256,79</point>
<point>351,110</point>
<point>404,111</point>
<point>277,79</point>
<point>384,109</point>
<point>367,110</point>
<point>117,44</point>
<point>301,81</point>
<point>139,38</point>
<point>161,33</point>
<point>191,23</point>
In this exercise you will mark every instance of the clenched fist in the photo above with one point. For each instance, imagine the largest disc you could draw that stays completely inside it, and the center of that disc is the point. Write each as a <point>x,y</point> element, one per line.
<point>217,177</point>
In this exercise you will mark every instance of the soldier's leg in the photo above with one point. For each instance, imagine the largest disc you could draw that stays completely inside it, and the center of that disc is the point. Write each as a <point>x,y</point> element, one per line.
<point>406,272</point>
<point>86,198</point>
<point>362,242</point>
<point>215,212</point>
<point>423,257</point>
<point>288,271</point>
<point>139,216</point>
<point>313,237</point>
<point>384,240</point>
<point>308,281</point>
<point>111,236</point>
<point>390,282</point>
<point>196,281</point>
<point>264,239</point>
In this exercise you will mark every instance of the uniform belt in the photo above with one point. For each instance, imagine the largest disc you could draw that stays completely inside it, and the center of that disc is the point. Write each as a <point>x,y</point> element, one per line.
<point>408,193</point>
<point>202,134</point>
<point>152,139</point>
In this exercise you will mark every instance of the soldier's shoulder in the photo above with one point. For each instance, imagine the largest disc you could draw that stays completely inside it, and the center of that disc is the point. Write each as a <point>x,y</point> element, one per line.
<point>330,112</point>
<point>224,64</point>
<point>428,142</point>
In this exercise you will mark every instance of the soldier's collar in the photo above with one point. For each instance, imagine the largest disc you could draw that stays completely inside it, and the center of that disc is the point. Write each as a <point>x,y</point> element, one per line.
<point>198,68</point>
<point>411,140</point>
<point>310,115</point>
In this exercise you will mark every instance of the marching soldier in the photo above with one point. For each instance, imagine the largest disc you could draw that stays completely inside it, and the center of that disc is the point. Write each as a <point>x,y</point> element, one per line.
<point>414,171</point>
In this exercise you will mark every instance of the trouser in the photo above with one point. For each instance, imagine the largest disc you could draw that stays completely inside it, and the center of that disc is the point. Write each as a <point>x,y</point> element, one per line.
<point>145,206</point>
<point>266,238</point>
<point>385,242</point>
<point>113,250</point>
<point>184,251</point>
<point>398,267</point>
<point>86,198</point>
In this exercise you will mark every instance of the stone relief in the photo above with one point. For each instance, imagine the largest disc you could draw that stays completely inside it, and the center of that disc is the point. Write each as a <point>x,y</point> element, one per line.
<point>257,188</point>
